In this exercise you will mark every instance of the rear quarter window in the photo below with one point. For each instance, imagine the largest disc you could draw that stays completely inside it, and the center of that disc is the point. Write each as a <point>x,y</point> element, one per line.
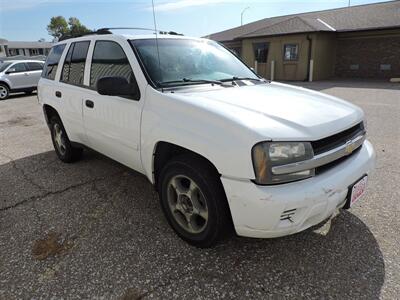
<point>52,61</point>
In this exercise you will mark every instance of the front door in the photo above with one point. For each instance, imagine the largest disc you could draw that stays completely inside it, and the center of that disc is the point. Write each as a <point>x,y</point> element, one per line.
<point>19,76</point>
<point>112,123</point>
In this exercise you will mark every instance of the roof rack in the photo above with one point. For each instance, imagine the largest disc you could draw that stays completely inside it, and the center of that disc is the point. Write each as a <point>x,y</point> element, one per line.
<point>109,31</point>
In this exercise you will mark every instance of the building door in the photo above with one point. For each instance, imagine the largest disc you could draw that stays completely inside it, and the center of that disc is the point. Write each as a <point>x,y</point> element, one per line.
<point>261,57</point>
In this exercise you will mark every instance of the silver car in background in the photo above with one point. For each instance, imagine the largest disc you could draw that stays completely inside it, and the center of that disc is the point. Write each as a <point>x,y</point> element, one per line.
<point>19,76</point>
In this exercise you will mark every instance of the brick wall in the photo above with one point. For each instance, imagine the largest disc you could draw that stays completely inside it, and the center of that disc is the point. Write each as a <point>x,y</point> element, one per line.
<point>364,58</point>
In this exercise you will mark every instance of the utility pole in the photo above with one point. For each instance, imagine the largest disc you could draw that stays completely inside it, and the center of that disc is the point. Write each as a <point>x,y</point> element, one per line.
<point>349,3</point>
<point>241,15</point>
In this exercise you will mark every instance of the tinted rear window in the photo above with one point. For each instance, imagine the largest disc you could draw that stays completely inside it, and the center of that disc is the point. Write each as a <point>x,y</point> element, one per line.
<point>74,65</point>
<point>50,68</point>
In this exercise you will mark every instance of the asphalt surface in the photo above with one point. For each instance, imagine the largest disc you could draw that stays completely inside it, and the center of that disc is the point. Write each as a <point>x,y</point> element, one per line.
<point>94,229</point>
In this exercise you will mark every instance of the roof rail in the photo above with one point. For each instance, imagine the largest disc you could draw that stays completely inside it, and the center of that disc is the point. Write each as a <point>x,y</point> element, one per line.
<point>140,28</point>
<point>109,31</point>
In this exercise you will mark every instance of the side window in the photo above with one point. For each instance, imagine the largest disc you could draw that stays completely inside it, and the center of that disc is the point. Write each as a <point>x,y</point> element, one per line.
<point>52,61</point>
<point>109,59</point>
<point>33,66</point>
<point>21,67</point>
<point>74,65</point>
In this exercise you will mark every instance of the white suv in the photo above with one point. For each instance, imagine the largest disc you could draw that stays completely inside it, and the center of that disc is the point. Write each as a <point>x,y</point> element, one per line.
<point>224,148</point>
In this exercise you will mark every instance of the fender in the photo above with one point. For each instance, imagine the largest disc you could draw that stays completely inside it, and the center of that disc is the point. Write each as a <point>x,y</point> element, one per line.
<point>216,138</point>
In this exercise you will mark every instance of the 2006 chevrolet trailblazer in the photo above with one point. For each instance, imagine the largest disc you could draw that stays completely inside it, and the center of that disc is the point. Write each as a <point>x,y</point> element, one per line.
<point>223,147</point>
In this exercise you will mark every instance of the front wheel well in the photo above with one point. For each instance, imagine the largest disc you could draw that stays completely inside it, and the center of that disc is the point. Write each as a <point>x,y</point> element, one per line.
<point>6,84</point>
<point>165,151</point>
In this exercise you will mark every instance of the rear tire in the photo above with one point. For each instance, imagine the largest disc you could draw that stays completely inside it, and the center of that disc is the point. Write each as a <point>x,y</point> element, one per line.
<point>4,91</point>
<point>193,201</point>
<point>62,145</point>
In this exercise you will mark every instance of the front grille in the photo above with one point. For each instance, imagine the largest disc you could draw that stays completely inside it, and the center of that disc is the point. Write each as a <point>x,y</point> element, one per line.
<point>336,140</point>
<point>321,169</point>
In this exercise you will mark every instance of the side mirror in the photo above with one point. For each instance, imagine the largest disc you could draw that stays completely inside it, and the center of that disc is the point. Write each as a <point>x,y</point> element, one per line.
<point>11,70</point>
<point>117,86</point>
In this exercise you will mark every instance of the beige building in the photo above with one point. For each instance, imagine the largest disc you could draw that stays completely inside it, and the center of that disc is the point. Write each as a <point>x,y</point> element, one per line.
<point>24,49</point>
<point>358,42</point>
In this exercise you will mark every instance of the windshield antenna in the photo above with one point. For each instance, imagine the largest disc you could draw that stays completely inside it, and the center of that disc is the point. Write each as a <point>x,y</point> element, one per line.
<point>155,28</point>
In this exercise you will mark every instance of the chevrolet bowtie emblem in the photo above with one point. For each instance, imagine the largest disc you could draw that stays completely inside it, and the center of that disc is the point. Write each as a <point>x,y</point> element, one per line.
<point>349,147</point>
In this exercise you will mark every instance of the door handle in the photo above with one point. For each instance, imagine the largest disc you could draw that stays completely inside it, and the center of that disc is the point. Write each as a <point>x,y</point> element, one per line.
<point>58,94</point>
<point>89,103</point>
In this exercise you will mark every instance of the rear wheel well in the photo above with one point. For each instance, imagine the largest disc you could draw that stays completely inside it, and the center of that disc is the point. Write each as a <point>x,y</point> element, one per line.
<point>165,151</point>
<point>49,112</point>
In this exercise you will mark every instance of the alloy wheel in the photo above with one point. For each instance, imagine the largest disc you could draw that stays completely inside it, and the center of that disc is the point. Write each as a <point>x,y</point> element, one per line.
<point>3,92</point>
<point>187,204</point>
<point>59,139</point>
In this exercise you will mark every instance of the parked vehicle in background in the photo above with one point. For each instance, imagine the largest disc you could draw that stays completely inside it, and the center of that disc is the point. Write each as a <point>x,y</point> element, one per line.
<point>19,76</point>
<point>224,148</point>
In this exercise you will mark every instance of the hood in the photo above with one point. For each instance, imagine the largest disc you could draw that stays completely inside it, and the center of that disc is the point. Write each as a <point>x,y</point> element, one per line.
<point>279,111</point>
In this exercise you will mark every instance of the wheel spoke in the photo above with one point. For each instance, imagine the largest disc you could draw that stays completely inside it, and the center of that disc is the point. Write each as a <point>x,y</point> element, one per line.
<point>177,184</point>
<point>189,223</point>
<point>192,190</point>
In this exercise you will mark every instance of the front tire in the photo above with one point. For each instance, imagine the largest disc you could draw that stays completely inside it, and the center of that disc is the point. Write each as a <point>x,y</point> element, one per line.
<point>4,91</point>
<point>62,145</point>
<point>193,201</point>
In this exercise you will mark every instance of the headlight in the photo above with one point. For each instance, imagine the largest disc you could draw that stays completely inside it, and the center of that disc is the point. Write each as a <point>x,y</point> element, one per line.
<point>270,154</point>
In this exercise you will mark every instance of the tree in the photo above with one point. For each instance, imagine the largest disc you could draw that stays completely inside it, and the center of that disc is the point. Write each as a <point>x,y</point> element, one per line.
<point>76,28</point>
<point>58,27</point>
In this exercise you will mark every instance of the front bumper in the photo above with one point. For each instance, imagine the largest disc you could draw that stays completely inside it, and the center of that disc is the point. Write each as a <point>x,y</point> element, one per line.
<point>262,211</point>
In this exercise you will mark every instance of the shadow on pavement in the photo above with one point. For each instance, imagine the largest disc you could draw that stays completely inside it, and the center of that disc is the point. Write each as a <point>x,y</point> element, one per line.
<point>120,242</point>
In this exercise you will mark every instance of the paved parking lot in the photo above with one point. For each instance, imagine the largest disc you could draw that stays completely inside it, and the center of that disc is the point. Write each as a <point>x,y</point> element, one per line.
<point>94,229</point>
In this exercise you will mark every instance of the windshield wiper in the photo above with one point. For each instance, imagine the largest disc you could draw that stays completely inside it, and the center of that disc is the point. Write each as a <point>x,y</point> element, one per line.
<point>234,78</point>
<point>195,81</point>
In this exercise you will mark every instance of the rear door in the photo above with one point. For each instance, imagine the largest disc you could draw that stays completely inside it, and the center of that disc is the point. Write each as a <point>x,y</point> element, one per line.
<point>34,72</point>
<point>72,90</point>
<point>48,85</point>
<point>112,123</point>
<point>18,75</point>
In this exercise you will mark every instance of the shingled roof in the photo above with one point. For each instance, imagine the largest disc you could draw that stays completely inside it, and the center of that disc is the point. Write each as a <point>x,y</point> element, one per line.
<point>355,18</point>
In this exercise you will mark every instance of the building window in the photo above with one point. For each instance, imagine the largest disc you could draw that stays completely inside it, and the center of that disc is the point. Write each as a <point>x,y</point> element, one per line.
<point>33,52</point>
<point>291,52</point>
<point>260,52</point>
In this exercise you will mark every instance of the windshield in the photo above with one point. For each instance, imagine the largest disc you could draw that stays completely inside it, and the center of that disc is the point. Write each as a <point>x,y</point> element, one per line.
<point>4,66</point>
<point>183,61</point>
